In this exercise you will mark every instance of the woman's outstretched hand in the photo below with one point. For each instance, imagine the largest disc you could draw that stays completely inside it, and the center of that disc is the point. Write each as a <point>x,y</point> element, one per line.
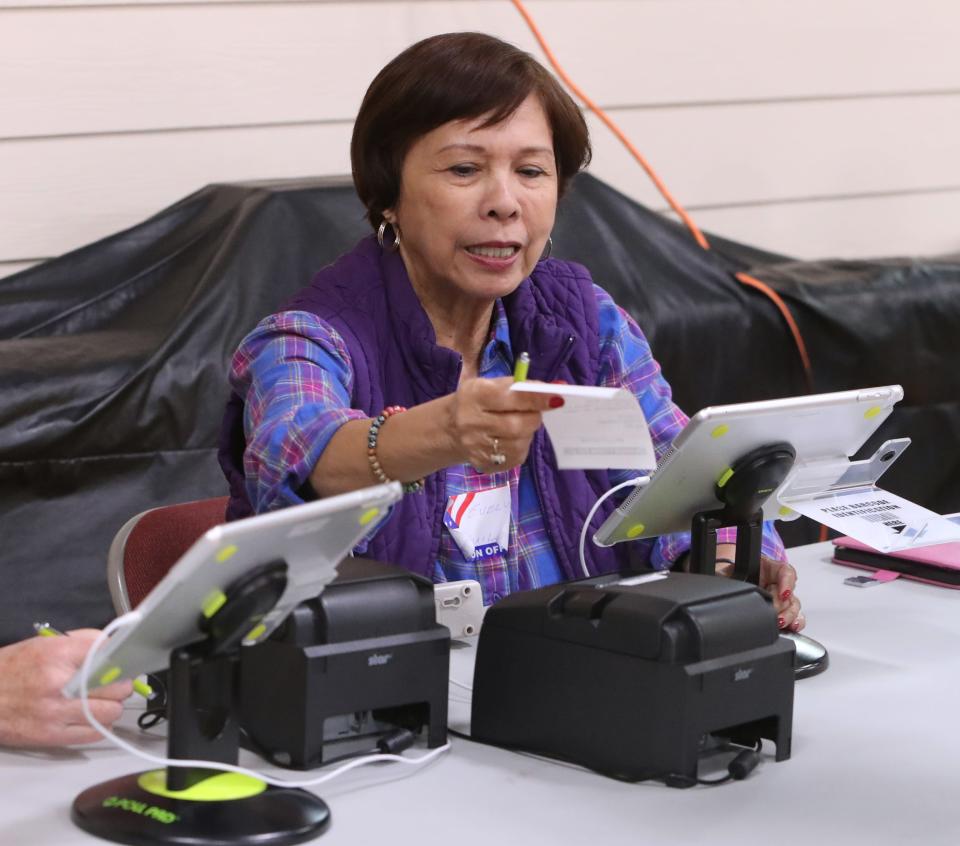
<point>492,426</point>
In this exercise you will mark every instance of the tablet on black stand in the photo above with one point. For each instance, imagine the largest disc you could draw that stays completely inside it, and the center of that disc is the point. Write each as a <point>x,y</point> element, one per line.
<point>230,589</point>
<point>726,466</point>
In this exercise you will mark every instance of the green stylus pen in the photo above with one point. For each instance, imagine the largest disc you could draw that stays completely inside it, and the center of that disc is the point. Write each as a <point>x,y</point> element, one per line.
<point>521,368</point>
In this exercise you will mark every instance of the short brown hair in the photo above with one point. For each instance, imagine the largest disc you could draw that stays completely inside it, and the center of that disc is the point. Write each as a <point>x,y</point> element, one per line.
<point>454,76</point>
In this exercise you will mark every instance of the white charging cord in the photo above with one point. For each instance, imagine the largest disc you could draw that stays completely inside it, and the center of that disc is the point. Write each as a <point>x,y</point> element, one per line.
<point>636,482</point>
<point>133,617</point>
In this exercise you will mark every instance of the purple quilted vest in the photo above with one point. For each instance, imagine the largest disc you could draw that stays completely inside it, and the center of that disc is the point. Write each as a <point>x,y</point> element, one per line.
<point>367,296</point>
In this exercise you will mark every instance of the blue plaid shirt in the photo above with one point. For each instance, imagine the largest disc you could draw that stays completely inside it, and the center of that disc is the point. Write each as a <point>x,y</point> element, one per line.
<point>295,374</point>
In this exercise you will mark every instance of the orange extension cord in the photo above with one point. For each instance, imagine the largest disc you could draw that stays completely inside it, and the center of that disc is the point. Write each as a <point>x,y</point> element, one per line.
<point>743,278</point>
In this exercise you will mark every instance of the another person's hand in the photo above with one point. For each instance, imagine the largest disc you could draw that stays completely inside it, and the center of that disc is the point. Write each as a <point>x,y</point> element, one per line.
<point>490,420</point>
<point>33,711</point>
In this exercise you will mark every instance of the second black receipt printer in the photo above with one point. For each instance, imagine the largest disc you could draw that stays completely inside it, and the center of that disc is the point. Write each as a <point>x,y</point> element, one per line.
<point>628,679</point>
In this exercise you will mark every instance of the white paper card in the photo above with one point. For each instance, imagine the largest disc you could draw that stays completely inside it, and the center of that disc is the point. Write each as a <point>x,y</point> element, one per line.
<point>885,521</point>
<point>630,581</point>
<point>597,428</point>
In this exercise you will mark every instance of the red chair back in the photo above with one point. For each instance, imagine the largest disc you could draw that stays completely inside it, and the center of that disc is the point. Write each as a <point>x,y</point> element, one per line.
<point>150,543</point>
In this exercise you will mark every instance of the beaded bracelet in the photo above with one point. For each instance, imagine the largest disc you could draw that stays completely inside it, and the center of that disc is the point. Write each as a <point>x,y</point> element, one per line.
<point>372,435</point>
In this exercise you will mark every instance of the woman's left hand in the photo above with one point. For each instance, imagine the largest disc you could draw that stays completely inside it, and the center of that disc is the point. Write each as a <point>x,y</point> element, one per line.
<point>779,579</point>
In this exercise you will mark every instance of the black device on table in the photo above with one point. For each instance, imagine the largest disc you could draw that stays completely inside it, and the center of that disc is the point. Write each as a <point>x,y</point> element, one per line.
<point>357,666</point>
<point>628,679</point>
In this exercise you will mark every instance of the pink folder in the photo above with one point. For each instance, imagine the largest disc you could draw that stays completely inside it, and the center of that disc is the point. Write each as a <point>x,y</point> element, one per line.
<point>936,565</point>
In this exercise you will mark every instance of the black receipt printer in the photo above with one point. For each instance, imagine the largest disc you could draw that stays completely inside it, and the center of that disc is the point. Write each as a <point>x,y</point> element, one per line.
<point>360,661</point>
<point>630,676</point>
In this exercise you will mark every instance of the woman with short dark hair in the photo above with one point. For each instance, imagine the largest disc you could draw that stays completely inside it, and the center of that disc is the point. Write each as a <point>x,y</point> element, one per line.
<point>458,76</point>
<point>396,362</point>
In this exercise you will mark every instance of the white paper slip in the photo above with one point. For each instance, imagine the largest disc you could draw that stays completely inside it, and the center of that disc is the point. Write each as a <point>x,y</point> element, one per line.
<point>631,581</point>
<point>878,518</point>
<point>596,429</point>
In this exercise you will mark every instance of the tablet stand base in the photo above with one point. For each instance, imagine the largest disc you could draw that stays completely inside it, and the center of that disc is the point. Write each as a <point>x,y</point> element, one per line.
<point>206,807</point>
<point>812,657</point>
<point>123,811</point>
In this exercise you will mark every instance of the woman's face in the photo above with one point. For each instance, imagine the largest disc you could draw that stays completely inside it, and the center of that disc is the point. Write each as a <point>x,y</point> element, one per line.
<point>477,204</point>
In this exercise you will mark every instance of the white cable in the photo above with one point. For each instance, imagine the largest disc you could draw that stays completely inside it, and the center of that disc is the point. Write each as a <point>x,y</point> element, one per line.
<point>456,683</point>
<point>635,482</point>
<point>132,617</point>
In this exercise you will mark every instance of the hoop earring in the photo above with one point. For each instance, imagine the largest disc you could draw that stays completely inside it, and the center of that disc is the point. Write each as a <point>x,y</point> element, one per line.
<point>546,255</point>
<point>396,236</point>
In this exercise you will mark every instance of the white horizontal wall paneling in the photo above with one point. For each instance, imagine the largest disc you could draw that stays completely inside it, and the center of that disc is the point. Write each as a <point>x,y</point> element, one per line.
<point>211,65</point>
<point>737,153</point>
<point>63,193</point>
<point>74,4</point>
<point>96,69</point>
<point>750,110</point>
<point>707,156</point>
<point>702,51</point>
<point>860,227</point>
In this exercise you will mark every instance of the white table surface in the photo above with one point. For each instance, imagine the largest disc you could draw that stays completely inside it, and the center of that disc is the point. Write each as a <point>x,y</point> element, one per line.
<point>874,758</point>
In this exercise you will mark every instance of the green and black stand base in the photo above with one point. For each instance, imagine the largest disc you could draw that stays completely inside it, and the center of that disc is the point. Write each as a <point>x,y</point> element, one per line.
<point>206,807</point>
<point>224,809</point>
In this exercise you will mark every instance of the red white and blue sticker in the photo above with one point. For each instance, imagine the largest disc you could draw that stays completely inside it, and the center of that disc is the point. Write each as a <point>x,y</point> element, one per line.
<point>480,522</point>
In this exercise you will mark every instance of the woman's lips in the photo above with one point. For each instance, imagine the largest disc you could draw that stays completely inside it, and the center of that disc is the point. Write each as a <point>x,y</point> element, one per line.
<point>494,250</point>
<point>495,255</point>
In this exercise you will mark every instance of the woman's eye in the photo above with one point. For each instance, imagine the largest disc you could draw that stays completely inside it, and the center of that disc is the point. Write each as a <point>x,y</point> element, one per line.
<point>532,171</point>
<point>463,170</point>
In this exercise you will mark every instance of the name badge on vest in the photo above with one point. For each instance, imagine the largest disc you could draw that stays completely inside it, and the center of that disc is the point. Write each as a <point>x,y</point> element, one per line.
<point>480,522</point>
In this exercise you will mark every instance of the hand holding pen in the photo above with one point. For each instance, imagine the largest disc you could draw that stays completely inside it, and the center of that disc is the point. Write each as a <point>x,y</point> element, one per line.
<point>33,710</point>
<point>491,426</point>
<point>141,688</point>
